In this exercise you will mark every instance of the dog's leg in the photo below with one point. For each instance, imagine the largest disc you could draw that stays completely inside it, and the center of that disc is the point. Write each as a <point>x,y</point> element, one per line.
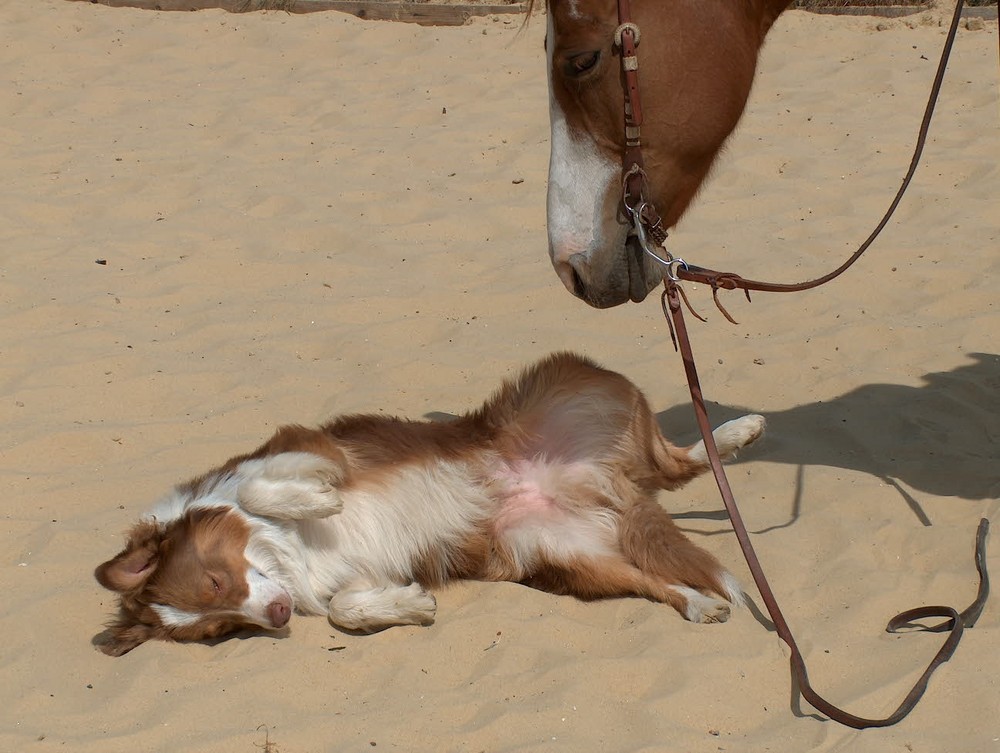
<point>674,466</point>
<point>652,542</point>
<point>366,607</point>
<point>607,577</point>
<point>290,486</point>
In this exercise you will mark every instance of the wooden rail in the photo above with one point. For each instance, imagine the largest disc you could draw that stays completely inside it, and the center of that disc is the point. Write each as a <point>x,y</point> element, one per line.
<point>427,14</point>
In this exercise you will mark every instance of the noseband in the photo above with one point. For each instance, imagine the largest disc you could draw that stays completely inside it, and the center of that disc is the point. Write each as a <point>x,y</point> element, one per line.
<point>652,235</point>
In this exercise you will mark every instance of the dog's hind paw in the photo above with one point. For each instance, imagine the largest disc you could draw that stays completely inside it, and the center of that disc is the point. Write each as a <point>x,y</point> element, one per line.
<point>702,608</point>
<point>717,611</point>
<point>730,437</point>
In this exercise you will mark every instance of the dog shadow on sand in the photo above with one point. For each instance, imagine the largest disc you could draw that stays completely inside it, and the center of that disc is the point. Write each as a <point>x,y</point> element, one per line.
<point>941,438</point>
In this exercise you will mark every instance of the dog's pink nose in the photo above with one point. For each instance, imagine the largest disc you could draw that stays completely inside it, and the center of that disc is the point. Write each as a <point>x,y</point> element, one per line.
<point>279,612</point>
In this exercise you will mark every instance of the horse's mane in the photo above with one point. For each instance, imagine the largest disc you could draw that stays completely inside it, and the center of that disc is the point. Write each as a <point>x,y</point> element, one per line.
<point>529,8</point>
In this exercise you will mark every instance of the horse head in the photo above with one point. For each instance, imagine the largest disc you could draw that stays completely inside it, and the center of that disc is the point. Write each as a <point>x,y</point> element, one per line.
<point>696,66</point>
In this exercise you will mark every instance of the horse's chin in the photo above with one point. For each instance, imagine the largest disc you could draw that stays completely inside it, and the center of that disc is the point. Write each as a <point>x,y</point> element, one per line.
<point>642,275</point>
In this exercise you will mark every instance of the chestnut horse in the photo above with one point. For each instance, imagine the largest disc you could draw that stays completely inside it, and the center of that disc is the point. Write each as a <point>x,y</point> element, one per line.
<point>696,63</point>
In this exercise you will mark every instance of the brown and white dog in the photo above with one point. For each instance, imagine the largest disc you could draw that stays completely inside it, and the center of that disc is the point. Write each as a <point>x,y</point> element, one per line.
<point>552,483</point>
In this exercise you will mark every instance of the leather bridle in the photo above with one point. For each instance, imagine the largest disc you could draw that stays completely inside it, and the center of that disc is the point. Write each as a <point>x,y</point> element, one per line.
<point>647,222</point>
<point>652,235</point>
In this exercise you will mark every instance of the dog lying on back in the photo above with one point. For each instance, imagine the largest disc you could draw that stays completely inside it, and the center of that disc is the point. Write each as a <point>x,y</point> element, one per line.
<point>552,483</point>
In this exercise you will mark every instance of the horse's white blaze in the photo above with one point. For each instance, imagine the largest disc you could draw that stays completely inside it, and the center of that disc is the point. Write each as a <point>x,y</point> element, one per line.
<point>580,179</point>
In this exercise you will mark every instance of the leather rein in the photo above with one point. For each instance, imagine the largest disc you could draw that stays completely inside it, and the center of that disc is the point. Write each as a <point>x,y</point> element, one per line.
<point>652,235</point>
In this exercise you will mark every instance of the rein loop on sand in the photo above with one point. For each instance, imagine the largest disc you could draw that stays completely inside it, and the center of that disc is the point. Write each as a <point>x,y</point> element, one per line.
<point>651,235</point>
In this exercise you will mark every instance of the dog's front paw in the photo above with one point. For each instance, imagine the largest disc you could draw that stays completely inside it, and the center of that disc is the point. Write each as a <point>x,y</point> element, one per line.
<point>371,609</point>
<point>318,481</point>
<point>324,502</point>
<point>417,606</point>
<point>289,500</point>
<point>290,486</point>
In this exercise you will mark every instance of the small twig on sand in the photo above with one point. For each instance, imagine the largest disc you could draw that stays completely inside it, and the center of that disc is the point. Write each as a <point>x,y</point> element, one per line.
<point>267,746</point>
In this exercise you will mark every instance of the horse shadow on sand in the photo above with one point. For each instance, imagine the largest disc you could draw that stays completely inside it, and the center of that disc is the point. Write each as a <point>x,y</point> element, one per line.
<point>941,438</point>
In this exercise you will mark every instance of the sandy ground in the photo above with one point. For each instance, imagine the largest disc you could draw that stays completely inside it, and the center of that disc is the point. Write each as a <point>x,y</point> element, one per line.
<point>212,224</point>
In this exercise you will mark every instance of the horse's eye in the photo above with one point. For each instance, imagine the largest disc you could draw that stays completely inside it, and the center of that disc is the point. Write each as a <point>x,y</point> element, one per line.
<point>582,63</point>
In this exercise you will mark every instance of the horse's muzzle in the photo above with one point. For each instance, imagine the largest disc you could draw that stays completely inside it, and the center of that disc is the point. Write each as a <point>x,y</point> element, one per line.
<point>629,277</point>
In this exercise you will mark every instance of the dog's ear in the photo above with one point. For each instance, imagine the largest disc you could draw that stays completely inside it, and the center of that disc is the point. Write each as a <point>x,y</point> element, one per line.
<point>132,566</point>
<point>121,638</point>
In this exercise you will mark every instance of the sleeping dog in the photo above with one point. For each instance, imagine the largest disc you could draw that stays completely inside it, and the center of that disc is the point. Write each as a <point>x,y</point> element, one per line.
<point>551,483</point>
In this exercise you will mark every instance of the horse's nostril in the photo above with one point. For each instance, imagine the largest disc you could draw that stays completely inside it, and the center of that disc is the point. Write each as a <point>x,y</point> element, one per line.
<point>571,278</point>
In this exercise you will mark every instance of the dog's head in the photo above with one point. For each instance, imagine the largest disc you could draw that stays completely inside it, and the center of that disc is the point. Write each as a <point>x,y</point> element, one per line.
<point>189,579</point>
